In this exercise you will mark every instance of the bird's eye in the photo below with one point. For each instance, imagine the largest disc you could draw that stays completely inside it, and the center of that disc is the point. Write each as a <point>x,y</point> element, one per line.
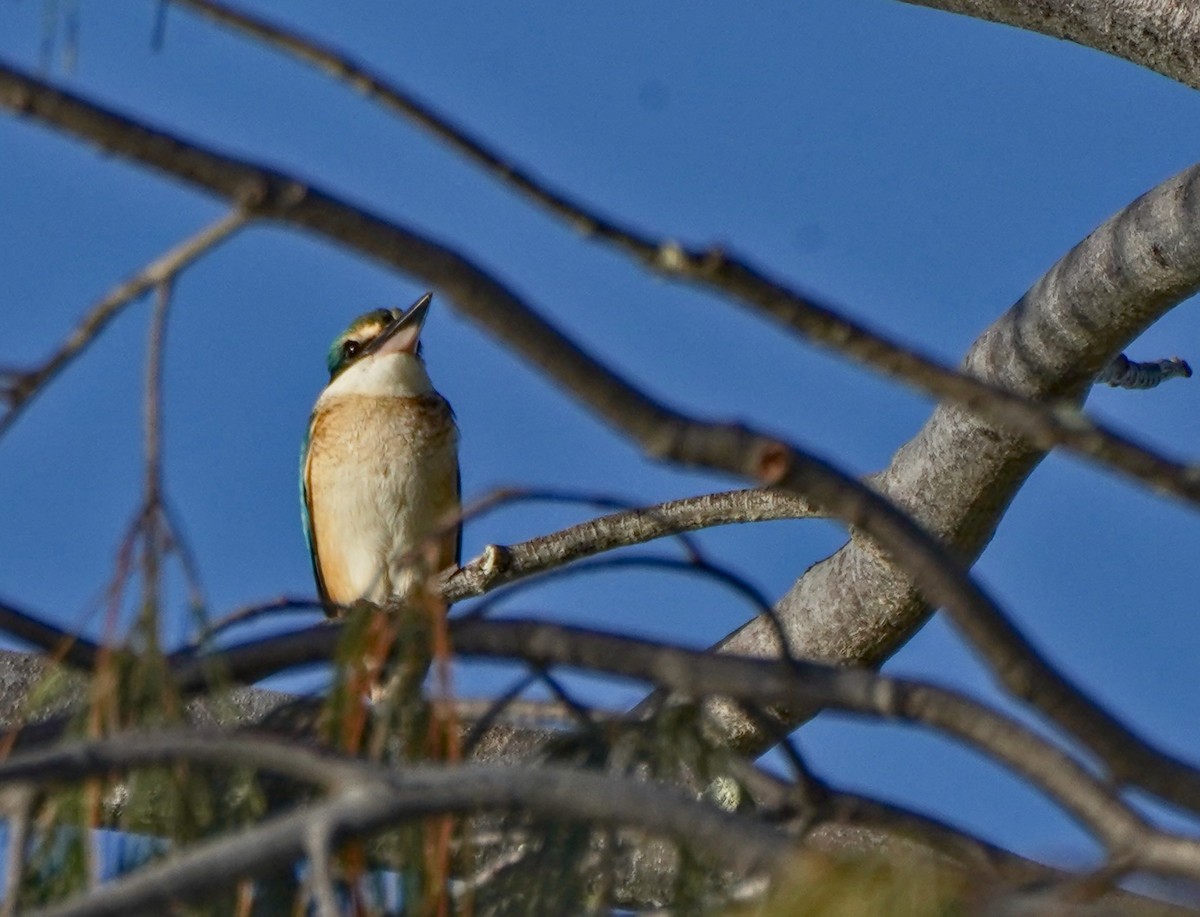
<point>350,348</point>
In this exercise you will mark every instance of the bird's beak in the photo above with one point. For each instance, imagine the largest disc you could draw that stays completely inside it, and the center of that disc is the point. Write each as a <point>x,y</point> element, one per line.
<point>402,334</point>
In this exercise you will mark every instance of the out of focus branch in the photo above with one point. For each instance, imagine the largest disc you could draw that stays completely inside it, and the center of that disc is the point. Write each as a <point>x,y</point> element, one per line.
<point>367,798</point>
<point>839,808</point>
<point>696,674</point>
<point>56,643</point>
<point>22,385</point>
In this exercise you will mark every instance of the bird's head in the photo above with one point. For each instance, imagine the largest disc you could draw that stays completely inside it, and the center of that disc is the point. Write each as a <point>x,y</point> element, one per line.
<point>380,353</point>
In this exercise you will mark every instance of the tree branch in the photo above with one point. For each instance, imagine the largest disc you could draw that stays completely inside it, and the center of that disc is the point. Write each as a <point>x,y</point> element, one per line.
<point>695,674</point>
<point>836,808</point>
<point>24,385</point>
<point>58,644</point>
<point>958,474</point>
<point>1125,373</point>
<point>499,565</point>
<point>1046,426</point>
<point>1161,35</point>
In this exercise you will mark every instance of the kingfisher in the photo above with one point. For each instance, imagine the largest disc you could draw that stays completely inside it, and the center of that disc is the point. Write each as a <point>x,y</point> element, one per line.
<point>379,477</point>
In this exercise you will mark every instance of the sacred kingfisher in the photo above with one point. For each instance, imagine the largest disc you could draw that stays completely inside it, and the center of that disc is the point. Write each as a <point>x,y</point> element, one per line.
<point>379,476</point>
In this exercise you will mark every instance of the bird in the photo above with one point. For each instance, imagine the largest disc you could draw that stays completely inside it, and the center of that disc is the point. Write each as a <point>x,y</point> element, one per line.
<point>379,475</point>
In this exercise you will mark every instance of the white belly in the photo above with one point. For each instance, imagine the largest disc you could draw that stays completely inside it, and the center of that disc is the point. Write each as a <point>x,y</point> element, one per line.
<point>382,475</point>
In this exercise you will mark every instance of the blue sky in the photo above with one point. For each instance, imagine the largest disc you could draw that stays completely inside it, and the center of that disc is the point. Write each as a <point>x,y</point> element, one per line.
<point>916,169</point>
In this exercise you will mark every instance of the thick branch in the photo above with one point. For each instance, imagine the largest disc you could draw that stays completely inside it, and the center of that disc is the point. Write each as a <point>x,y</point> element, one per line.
<point>1161,35</point>
<point>958,474</point>
<point>697,674</point>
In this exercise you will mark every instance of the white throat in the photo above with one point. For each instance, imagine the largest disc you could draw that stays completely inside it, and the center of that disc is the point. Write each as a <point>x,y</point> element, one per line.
<point>389,375</point>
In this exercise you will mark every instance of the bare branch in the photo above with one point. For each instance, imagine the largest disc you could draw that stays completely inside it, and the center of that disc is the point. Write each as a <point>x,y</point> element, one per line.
<point>1125,373</point>
<point>245,614</point>
<point>277,195</point>
<point>75,761</point>
<point>836,807</point>
<point>178,544</point>
<point>27,384</point>
<point>152,412</point>
<point>959,473</point>
<point>499,565</point>
<point>1161,35</point>
<point>1046,427</point>
<point>1016,662</point>
<point>152,520</point>
<point>59,644</point>
<point>400,101</point>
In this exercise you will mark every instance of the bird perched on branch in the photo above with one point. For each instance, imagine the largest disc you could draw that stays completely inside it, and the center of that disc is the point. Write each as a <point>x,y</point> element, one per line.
<point>379,473</point>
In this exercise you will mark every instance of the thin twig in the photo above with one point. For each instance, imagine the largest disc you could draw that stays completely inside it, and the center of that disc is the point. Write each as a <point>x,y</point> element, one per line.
<point>701,567</point>
<point>495,709</point>
<point>178,544</point>
<point>152,489</point>
<point>247,614</point>
<point>27,384</point>
<point>500,565</point>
